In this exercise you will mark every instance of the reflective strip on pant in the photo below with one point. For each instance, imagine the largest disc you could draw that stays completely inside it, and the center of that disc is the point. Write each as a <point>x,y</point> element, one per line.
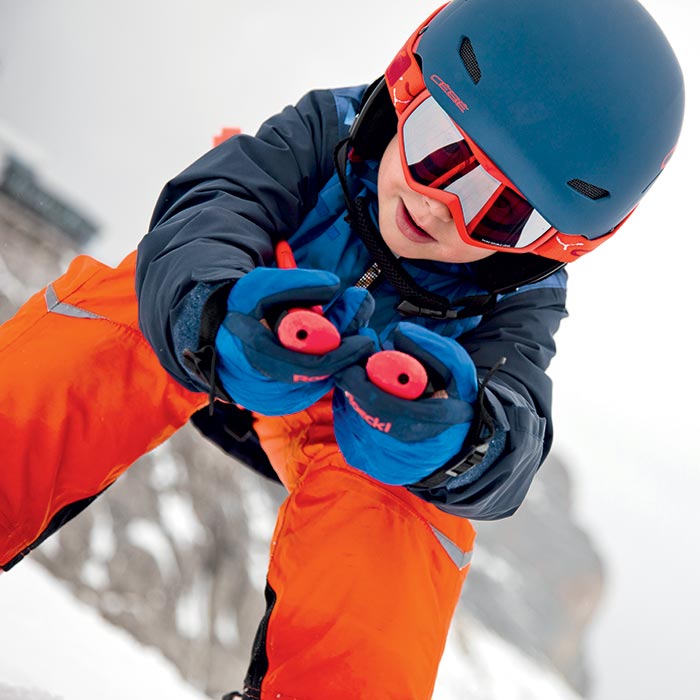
<point>365,576</point>
<point>82,396</point>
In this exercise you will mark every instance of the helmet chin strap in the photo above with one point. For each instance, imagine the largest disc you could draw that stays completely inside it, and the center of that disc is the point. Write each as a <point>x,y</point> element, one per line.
<point>497,274</point>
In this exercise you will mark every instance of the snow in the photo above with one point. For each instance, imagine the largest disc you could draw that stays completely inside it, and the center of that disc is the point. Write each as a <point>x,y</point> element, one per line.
<point>179,519</point>
<point>54,647</point>
<point>226,629</point>
<point>95,574</point>
<point>167,472</point>
<point>146,535</point>
<point>102,546</point>
<point>9,693</point>
<point>12,287</point>
<point>259,512</point>
<point>191,612</point>
<point>498,568</point>
<point>494,670</point>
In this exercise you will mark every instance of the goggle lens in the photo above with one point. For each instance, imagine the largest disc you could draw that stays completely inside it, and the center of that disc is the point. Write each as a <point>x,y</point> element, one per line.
<point>437,157</point>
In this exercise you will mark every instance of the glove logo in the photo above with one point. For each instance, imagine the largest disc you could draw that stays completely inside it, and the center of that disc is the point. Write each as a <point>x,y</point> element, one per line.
<point>372,421</point>
<point>306,378</point>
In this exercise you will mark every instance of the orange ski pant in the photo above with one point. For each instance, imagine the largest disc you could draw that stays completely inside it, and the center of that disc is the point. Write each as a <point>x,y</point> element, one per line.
<point>363,578</point>
<point>82,396</point>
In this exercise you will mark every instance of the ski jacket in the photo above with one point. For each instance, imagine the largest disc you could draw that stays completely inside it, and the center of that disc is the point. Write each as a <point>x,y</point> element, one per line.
<point>221,217</point>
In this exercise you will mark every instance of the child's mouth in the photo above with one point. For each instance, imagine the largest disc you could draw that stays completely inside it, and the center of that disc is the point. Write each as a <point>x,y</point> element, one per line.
<point>409,227</point>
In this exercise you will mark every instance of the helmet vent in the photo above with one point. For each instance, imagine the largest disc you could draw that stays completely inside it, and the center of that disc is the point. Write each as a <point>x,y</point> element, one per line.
<point>466,53</point>
<point>588,190</point>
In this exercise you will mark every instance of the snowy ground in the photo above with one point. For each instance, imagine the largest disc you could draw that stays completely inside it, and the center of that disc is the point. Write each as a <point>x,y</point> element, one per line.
<point>54,647</point>
<point>57,648</point>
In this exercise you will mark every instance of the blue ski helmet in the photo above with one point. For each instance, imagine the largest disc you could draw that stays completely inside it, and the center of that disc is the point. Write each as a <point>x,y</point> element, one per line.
<point>578,105</point>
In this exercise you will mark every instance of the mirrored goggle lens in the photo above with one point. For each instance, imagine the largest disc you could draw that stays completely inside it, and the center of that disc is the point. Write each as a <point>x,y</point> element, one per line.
<point>438,157</point>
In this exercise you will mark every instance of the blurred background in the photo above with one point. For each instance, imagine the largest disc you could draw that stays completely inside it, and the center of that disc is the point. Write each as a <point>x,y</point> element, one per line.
<point>106,101</point>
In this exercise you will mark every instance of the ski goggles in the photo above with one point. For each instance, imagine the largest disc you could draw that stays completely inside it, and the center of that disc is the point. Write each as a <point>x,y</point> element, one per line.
<point>441,162</point>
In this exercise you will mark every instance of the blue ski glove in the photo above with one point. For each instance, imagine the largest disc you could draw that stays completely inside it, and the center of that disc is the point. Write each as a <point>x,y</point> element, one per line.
<point>254,368</point>
<point>399,441</point>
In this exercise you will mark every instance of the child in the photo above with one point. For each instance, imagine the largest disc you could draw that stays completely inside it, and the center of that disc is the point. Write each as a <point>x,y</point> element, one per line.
<point>433,213</point>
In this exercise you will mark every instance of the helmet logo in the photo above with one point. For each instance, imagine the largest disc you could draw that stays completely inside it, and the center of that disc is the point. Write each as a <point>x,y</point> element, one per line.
<point>566,246</point>
<point>456,99</point>
<point>395,96</point>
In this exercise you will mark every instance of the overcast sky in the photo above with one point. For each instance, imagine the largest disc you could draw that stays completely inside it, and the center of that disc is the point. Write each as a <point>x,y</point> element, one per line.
<point>109,100</point>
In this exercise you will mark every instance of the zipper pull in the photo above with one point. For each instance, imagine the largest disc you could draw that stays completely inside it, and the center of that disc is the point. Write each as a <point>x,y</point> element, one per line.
<point>369,277</point>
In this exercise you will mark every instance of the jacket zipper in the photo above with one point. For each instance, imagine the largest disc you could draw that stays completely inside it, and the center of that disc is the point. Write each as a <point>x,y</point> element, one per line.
<point>370,277</point>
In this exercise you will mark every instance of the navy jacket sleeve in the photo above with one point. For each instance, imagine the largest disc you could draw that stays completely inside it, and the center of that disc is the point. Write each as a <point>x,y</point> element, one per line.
<point>518,399</point>
<point>211,225</point>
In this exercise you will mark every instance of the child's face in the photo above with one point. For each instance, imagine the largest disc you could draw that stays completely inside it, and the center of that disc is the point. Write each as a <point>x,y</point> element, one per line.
<point>415,226</point>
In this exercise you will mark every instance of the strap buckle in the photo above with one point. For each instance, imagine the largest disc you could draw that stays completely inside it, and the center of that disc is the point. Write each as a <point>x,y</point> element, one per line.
<point>474,455</point>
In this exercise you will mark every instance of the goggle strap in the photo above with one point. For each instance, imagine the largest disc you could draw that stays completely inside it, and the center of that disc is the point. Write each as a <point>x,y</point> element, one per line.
<point>375,124</point>
<point>362,223</point>
<point>504,272</point>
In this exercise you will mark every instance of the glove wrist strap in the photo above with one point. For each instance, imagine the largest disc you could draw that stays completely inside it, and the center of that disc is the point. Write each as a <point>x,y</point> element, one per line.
<point>476,444</point>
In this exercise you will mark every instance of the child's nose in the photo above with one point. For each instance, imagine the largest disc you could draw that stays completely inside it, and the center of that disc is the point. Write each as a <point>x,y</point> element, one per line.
<point>438,209</point>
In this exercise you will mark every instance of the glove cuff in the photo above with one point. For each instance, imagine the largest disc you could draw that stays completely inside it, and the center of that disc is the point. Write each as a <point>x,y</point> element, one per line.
<point>476,444</point>
<point>201,363</point>
<point>213,314</point>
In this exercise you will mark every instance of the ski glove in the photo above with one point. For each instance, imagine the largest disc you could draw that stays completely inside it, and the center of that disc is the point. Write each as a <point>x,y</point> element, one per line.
<point>400,441</point>
<point>255,369</point>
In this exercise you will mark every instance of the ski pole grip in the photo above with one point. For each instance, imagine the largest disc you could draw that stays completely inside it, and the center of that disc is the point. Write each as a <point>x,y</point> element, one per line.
<point>397,373</point>
<point>299,329</point>
<point>305,330</point>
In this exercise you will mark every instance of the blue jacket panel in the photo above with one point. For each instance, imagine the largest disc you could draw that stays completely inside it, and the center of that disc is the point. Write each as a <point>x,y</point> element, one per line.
<point>221,217</point>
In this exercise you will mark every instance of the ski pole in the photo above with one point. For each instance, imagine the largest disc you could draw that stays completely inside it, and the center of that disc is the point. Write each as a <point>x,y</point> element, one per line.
<point>226,133</point>
<point>306,330</point>
<point>303,330</point>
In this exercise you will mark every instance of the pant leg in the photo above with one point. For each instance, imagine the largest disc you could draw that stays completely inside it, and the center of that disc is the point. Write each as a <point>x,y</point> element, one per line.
<point>363,578</point>
<point>82,396</point>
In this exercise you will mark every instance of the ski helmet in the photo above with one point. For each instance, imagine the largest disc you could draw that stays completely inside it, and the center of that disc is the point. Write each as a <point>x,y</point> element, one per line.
<point>574,106</point>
